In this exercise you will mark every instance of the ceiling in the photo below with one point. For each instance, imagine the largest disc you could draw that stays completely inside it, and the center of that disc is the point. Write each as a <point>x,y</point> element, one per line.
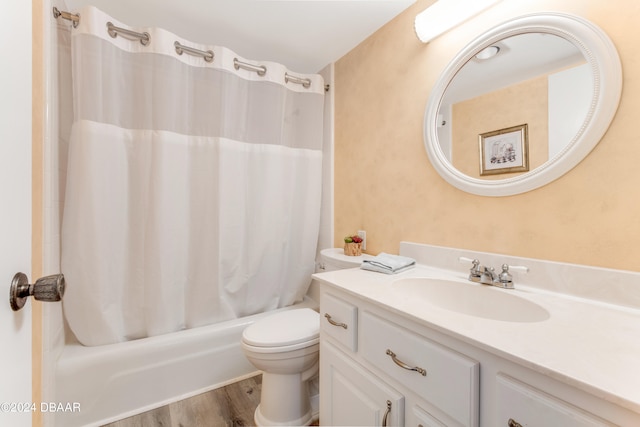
<point>521,57</point>
<point>304,35</point>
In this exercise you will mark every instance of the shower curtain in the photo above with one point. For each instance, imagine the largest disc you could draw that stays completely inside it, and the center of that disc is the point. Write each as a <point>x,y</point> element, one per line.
<point>193,187</point>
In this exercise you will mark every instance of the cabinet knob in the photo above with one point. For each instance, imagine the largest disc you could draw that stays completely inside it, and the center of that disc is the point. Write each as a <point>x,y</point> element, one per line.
<point>513,423</point>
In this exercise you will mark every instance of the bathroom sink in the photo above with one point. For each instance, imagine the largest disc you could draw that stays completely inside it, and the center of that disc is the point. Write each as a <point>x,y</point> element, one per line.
<point>473,299</point>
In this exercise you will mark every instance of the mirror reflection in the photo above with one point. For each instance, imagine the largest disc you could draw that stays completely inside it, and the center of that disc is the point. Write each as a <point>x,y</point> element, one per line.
<point>537,80</point>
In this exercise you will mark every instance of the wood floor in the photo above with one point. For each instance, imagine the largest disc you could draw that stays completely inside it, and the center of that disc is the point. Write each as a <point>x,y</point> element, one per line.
<point>230,406</point>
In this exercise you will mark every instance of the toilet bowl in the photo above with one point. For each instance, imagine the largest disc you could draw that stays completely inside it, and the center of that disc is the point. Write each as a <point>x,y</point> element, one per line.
<point>285,347</point>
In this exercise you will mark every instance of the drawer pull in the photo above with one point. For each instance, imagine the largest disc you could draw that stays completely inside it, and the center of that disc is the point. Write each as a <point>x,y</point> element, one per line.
<point>386,414</point>
<point>333,322</point>
<point>513,423</point>
<point>403,365</point>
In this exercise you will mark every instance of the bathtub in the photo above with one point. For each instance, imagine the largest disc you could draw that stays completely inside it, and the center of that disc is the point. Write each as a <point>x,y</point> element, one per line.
<point>99,385</point>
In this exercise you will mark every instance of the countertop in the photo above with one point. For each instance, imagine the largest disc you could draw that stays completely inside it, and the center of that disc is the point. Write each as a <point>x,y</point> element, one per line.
<point>589,345</point>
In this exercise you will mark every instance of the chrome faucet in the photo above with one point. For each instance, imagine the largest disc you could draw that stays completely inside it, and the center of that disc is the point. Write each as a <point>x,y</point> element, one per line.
<point>488,276</point>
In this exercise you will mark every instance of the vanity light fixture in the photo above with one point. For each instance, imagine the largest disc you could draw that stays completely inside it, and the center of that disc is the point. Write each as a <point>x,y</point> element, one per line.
<point>444,15</point>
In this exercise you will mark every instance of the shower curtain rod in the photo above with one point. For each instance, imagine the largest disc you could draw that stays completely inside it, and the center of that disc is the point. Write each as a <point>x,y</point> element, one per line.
<point>208,56</point>
<point>260,69</point>
<point>66,15</point>
<point>113,31</point>
<point>295,79</point>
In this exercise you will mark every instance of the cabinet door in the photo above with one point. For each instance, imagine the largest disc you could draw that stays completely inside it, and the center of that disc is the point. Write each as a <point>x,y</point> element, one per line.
<point>522,405</point>
<point>446,379</point>
<point>352,396</point>
<point>418,417</point>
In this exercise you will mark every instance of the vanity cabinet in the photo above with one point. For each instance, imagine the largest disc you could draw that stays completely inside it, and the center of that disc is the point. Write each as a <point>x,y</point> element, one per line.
<point>440,376</point>
<point>371,367</point>
<point>519,404</point>
<point>376,361</point>
<point>354,397</point>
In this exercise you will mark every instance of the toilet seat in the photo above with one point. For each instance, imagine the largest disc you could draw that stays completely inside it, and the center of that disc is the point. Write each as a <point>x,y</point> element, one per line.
<point>285,331</point>
<point>310,346</point>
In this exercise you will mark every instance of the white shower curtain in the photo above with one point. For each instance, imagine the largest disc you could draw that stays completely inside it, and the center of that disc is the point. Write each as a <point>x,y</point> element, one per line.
<point>193,188</point>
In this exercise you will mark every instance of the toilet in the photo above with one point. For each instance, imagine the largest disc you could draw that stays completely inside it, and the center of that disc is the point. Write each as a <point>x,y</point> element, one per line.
<point>285,347</point>
<point>335,259</point>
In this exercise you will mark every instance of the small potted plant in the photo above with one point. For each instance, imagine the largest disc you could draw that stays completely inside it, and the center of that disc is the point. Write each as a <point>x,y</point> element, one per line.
<point>353,245</point>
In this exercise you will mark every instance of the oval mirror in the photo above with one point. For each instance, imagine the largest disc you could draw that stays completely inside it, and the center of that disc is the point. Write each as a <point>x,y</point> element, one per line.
<point>522,104</point>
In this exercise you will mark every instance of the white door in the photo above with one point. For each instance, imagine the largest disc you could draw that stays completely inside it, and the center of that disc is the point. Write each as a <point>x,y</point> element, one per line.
<point>15,209</point>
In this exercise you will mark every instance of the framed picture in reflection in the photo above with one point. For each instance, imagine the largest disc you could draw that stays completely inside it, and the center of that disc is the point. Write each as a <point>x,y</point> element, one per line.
<point>504,150</point>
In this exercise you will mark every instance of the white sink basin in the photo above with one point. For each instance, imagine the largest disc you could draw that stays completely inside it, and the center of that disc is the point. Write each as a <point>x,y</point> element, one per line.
<point>473,299</point>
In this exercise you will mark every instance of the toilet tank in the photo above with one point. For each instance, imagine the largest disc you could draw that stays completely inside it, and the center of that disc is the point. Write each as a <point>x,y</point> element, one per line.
<point>335,259</point>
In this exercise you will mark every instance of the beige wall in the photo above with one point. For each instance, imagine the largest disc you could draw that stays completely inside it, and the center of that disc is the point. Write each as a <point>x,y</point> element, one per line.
<point>384,183</point>
<point>523,103</point>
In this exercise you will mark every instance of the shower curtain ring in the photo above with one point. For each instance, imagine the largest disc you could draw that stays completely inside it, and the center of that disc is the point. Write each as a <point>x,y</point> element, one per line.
<point>145,38</point>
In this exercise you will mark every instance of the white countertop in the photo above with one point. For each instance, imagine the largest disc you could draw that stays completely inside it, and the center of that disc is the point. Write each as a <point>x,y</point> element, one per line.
<point>589,345</point>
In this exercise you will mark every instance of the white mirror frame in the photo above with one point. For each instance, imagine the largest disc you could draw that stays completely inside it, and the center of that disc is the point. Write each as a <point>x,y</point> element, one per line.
<point>603,59</point>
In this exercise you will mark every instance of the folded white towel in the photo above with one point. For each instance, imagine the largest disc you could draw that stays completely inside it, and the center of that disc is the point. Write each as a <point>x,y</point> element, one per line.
<point>387,263</point>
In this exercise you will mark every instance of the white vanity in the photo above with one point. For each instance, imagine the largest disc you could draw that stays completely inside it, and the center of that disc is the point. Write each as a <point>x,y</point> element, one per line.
<point>428,347</point>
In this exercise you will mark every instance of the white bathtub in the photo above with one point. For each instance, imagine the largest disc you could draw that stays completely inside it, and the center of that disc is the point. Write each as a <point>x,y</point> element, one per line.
<point>98,385</point>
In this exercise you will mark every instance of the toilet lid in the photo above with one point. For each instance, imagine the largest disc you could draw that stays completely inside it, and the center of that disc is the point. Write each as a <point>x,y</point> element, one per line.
<point>284,328</point>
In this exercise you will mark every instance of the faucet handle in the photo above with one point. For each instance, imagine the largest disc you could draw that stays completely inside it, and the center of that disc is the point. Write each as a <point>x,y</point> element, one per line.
<point>522,268</point>
<point>475,271</point>
<point>475,263</point>
<point>465,259</point>
<point>505,276</point>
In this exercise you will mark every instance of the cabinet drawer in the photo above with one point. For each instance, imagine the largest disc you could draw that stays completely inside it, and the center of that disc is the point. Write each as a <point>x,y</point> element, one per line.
<point>446,379</point>
<point>520,404</point>
<point>339,319</point>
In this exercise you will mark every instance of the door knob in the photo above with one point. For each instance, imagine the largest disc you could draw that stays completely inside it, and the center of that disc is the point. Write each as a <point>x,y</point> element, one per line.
<point>48,288</point>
